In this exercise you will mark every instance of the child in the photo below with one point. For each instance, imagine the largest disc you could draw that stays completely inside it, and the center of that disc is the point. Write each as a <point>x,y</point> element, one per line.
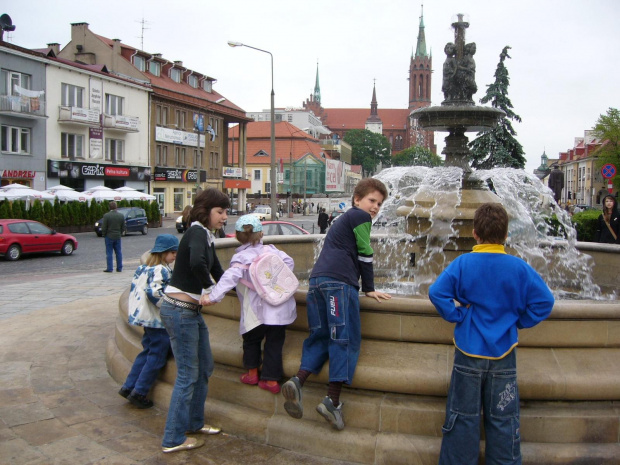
<point>259,319</point>
<point>147,290</point>
<point>608,224</point>
<point>496,294</point>
<point>333,303</point>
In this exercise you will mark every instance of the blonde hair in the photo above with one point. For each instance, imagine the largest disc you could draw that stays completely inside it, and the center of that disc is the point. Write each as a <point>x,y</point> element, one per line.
<point>248,235</point>
<point>157,258</point>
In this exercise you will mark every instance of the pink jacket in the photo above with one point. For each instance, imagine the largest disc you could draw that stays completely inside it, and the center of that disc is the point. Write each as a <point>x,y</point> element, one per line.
<point>254,311</point>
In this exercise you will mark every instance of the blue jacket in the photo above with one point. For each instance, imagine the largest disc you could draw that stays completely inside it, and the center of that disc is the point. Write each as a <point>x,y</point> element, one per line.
<point>346,253</point>
<point>497,294</point>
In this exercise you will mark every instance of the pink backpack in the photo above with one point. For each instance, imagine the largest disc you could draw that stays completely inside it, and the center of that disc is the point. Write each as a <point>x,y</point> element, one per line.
<point>272,280</point>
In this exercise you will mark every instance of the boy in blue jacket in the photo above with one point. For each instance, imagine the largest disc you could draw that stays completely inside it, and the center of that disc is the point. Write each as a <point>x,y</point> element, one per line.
<point>489,295</point>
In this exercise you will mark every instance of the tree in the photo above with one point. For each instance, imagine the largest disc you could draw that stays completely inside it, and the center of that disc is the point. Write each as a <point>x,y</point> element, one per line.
<point>607,128</point>
<point>416,156</point>
<point>368,149</point>
<point>497,147</point>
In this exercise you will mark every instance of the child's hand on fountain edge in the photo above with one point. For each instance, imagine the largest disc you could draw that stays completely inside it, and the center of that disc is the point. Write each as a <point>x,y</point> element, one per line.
<point>378,295</point>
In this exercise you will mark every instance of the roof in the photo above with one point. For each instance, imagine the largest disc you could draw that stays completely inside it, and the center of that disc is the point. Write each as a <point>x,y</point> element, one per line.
<point>355,118</point>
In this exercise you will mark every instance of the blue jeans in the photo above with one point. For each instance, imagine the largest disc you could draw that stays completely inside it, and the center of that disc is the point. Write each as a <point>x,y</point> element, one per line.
<point>490,385</point>
<point>335,331</point>
<point>147,364</point>
<point>189,338</point>
<point>113,245</point>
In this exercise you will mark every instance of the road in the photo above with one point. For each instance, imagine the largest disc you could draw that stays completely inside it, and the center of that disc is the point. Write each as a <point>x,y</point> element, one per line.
<point>90,254</point>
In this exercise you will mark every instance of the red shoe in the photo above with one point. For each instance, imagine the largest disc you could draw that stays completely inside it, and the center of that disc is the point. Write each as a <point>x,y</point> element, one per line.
<point>246,378</point>
<point>275,388</point>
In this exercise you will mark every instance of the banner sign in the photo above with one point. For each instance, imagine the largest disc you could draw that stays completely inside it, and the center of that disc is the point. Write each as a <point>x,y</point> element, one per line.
<point>175,136</point>
<point>77,170</point>
<point>335,176</point>
<point>231,172</point>
<point>95,137</point>
<point>176,175</point>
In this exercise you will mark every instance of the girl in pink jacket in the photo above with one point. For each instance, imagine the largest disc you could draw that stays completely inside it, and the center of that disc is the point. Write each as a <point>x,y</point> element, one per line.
<point>259,319</point>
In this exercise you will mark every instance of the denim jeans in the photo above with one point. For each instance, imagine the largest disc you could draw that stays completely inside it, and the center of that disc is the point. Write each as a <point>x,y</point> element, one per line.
<point>487,385</point>
<point>335,331</point>
<point>189,338</point>
<point>110,246</point>
<point>272,353</point>
<point>149,362</point>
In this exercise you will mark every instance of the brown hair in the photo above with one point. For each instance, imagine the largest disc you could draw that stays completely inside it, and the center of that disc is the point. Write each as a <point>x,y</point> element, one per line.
<point>157,258</point>
<point>248,235</point>
<point>608,211</point>
<point>366,186</point>
<point>204,202</point>
<point>491,223</point>
<point>112,205</point>
<point>185,215</point>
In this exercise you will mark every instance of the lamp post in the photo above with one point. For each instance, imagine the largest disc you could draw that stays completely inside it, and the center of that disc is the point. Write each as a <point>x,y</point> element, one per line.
<point>273,190</point>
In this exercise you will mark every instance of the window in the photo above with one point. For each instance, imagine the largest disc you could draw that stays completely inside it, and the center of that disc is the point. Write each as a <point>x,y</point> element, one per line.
<point>71,145</point>
<point>183,152</point>
<point>180,114</point>
<point>114,150</point>
<point>192,81</point>
<point>15,140</point>
<point>214,165</point>
<point>175,74</point>
<point>139,62</point>
<point>214,123</point>
<point>157,155</point>
<point>177,156</point>
<point>257,175</point>
<point>207,85</point>
<point>161,115</point>
<point>164,155</point>
<point>12,79</point>
<point>155,68</point>
<point>72,96</point>
<point>197,159</point>
<point>289,118</point>
<point>113,104</point>
<point>178,199</point>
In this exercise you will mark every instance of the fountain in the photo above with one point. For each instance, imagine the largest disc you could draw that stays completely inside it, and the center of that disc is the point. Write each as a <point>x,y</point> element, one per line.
<point>569,365</point>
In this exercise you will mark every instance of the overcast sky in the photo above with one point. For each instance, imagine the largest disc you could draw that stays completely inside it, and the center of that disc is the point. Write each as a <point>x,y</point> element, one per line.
<point>564,70</point>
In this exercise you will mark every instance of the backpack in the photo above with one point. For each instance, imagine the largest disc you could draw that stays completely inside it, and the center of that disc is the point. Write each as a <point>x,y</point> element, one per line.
<point>272,280</point>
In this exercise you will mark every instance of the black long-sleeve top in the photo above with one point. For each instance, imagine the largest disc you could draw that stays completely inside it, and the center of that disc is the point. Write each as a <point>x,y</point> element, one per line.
<point>196,262</point>
<point>602,231</point>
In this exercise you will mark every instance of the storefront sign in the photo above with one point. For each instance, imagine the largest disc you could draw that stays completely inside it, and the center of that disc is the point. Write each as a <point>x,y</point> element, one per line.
<point>95,138</point>
<point>84,114</point>
<point>191,176</point>
<point>77,170</point>
<point>15,174</point>
<point>230,172</point>
<point>127,122</point>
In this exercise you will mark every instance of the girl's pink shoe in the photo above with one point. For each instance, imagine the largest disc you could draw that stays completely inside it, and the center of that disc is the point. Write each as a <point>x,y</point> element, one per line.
<point>273,388</point>
<point>247,378</point>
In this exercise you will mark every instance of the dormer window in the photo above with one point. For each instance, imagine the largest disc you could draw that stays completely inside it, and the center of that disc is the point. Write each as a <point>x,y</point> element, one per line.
<point>206,85</point>
<point>155,68</point>
<point>175,74</point>
<point>192,81</point>
<point>139,62</point>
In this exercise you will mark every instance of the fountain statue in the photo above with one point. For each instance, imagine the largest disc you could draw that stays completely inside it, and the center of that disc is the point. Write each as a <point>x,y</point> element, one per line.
<point>569,365</point>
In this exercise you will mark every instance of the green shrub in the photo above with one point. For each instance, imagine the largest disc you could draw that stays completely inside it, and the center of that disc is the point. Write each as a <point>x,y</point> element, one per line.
<point>57,213</point>
<point>48,214</point>
<point>5,209</point>
<point>153,213</point>
<point>36,211</point>
<point>585,223</point>
<point>19,210</point>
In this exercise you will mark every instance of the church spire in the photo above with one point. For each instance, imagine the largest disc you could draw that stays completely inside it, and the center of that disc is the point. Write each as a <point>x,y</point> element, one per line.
<point>374,112</point>
<point>317,88</point>
<point>420,50</point>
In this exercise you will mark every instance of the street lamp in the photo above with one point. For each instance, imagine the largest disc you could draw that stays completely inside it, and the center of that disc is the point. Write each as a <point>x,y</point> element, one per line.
<point>274,210</point>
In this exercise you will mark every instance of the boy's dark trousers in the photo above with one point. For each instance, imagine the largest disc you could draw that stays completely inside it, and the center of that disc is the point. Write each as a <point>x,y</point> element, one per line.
<point>272,355</point>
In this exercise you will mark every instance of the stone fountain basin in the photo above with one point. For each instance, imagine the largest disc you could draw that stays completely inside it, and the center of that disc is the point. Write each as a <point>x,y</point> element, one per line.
<point>569,376</point>
<point>470,118</point>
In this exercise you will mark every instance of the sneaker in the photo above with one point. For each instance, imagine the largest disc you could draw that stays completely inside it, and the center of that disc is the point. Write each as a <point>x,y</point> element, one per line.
<point>332,414</point>
<point>291,390</point>
<point>124,392</point>
<point>139,400</point>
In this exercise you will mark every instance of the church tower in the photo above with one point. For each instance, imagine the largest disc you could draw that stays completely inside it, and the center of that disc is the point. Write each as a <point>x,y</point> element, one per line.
<point>317,88</point>
<point>420,70</point>
<point>374,123</point>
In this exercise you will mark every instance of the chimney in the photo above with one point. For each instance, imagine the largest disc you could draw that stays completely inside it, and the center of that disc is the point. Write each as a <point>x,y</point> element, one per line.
<point>116,46</point>
<point>178,63</point>
<point>54,47</point>
<point>157,55</point>
<point>78,36</point>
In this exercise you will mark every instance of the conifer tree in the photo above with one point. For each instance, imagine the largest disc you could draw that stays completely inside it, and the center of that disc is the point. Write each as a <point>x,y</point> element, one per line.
<point>497,147</point>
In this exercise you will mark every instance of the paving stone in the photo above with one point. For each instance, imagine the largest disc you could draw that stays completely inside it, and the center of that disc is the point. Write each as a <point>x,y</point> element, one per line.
<point>79,411</point>
<point>19,452</point>
<point>76,450</point>
<point>137,445</point>
<point>44,432</point>
<point>106,428</point>
<point>17,396</point>
<point>25,413</point>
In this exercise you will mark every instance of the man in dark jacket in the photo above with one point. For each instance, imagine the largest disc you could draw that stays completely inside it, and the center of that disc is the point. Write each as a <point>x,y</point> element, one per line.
<point>112,229</point>
<point>323,220</point>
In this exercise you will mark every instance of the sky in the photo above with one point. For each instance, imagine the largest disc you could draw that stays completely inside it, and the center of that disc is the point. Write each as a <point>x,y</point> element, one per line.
<point>564,67</point>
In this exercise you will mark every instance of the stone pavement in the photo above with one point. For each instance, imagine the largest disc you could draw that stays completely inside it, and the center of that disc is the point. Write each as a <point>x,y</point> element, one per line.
<point>59,405</point>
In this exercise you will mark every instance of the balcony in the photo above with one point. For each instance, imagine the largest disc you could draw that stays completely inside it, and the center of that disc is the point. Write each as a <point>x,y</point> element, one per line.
<point>80,116</point>
<point>121,123</point>
<point>26,107</point>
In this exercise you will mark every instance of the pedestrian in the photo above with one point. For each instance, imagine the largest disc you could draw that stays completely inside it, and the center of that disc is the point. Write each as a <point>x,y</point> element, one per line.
<point>260,320</point>
<point>322,222</point>
<point>608,225</point>
<point>145,298</point>
<point>185,217</point>
<point>489,294</point>
<point>333,303</point>
<point>112,229</point>
<point>196,263</point>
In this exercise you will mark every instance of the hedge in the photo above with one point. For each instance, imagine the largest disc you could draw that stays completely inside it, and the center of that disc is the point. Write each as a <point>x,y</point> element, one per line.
<point>585,223</point>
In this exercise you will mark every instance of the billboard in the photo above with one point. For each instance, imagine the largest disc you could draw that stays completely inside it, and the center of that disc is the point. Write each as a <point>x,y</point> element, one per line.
<point>335,176</point>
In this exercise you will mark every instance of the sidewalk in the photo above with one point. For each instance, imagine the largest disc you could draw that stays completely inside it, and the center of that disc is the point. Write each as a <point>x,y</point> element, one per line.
<point>58,404</point>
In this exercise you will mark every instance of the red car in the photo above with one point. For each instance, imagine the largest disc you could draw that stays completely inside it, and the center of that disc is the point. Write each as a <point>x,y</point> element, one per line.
<point>26,236</point>
<point>278,228</point>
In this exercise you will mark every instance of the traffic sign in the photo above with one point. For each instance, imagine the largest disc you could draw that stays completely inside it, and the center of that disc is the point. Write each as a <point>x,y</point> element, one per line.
<point>341,205</point>
<point>608,171</point>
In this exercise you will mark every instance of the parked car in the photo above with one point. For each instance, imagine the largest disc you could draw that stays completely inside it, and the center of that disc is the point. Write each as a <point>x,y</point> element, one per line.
<point>19,237</point>
<point>135,221</point>
<point>333,215</point>
<point>279,228</point>
<point>263,212</point>
<point>181,227</point>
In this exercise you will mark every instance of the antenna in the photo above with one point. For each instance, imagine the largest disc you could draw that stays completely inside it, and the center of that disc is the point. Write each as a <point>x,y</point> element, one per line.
<point>142,22</point>
<point>6,24</point>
